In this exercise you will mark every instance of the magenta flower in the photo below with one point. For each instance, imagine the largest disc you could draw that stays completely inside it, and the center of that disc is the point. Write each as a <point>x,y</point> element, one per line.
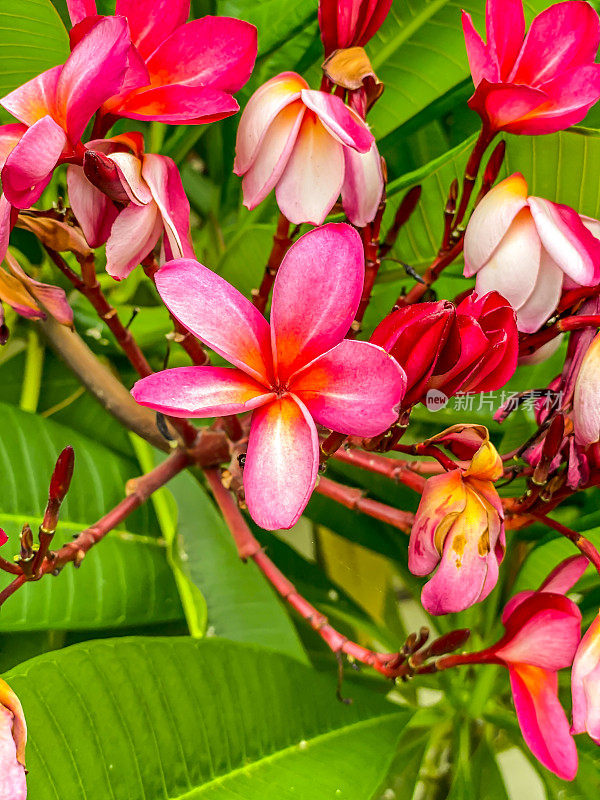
<point>150,189</point>
<point>350,23</point>
<point>56,106</point>
<point>182,72</point>
<point>528,249</point>
<point>585,684</point>
<point>541,82</point>
<point>13,737</point>
<point>293,374</point>
<point>309,147</point>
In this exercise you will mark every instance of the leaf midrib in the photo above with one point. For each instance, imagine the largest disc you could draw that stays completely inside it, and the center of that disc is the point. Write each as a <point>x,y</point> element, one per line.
<point>406,32</point>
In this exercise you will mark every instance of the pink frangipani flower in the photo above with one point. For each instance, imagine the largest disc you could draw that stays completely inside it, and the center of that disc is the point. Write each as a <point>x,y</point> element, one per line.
<point>150,189</point>
<point>539,82</point>
<point>13,737</point>
<point>585,684</point>
<point>528,249</point>
<point>295,373</point>
<point>348,23</point>
<point>183,72</point>
<point>56,106</point>
<point>309,147</point>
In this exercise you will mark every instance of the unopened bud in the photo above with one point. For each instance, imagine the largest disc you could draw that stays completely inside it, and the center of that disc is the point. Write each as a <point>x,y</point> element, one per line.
<point>450,207</point>
<point>448,642</point>
<point>104,175</point>
<point>26,541</point>
<point>62,475</point>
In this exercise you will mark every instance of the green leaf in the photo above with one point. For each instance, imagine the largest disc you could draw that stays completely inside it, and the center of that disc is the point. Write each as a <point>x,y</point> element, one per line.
<point>241,605</point>
<point>33,40</point>
<point>125,580</point>
<point>150,719</point>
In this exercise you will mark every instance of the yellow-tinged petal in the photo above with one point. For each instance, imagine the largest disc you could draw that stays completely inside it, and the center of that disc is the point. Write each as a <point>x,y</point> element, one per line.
<point>9,700</point>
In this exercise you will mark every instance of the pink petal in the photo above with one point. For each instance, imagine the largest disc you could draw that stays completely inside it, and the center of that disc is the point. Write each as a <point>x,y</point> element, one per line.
<point>542,302</point>
<point>80,9</point>
<point>542,719</point>
<point>505,106</point>
<point>512,270</point>
<point>363,185</point>
<point>151,22</point>
<point>342,122</point>
<point>13,785</point>
<point>262,108</point>
<point>543,630</point>
<point>443,498</point>
<point>164,180</point>
<point>175,104</point>
<point>93,72</point>
<point>575,250</point>
<point>10,135</point>
<point>481,63</point>
<point>586,401</point>
<point>563,577</point>
<point>273,155</point>
<point>35,99</point>
<point>316,294</point>
<point>314,175</point>
<point>375,16</point>
<point>564,36</point>
<point>29,166</point>
<point>5,225</point>
<point>585,683</point>
<point>491,220</point>
<point>212,51</point>
<point>218,315</point>
<point>53,298</point>
<point>132,237</point>
<point>505,25</point>
<point>95,213</point>
<point>130,173</point>
<point>328,10</point>
<point>200,392</point>
<point>282,463</point>
<point>355,388</point>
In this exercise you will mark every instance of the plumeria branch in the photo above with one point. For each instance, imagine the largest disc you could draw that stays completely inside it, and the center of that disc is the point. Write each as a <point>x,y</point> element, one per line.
<point>281,244</point>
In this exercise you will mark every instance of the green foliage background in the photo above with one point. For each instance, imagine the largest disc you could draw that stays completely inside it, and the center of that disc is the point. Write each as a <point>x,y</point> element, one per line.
<point>165,668</point>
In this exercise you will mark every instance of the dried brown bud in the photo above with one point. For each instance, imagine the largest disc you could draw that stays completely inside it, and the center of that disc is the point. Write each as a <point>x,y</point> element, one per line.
<point>349,68</point>
<point>55,234</point>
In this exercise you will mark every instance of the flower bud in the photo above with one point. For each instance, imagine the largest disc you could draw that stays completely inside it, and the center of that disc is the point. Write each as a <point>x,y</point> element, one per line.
<point>13,737</point>
<point>346,23</point>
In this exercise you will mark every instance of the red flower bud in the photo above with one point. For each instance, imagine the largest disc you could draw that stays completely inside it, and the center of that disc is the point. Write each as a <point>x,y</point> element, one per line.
<point>104,175</point>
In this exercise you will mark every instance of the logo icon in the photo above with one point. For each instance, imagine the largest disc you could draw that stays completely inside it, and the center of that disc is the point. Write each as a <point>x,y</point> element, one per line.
<point>435,400</point>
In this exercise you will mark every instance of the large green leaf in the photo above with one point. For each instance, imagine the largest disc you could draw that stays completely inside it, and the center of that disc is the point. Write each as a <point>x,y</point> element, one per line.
<point>151,719</point>
<point>125,580</point>
<point>32,39</point>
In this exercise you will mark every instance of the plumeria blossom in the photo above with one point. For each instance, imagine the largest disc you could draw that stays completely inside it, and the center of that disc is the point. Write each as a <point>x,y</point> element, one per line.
<point>471,347</point>
<point>542,636</point>
<point>293,374</point>
<point>539,82</point>
<point>30,298</point>
<point>55,108</point>
<point>586,400</point>
<point>585,684</point>
<point>128,199</point>
<point>350,23</point>
<point>13,738</point>
<point>528,249</point>
<point>459,527</point>
<point>309,147</point>
<point>181,72</point>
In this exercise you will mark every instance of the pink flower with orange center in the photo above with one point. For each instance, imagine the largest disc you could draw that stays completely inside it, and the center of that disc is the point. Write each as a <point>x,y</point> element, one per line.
<point>539,82</point>
<point>293,374</point>
<point>310,147</point>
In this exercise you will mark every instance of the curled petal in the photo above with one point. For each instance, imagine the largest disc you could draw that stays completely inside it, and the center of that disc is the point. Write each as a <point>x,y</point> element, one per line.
<point>316,294</point>
<point>339,120</point>
<point>132,237</point>
<point>13,785</point>
<point>152,22</point>
<point>218,315</point>
<point>164,180</point>
<point>281,463</point>
<point>5,225</point>
<point>586,401</point>
<point>585,683</point>
<point>314,175</point>
<point>200,392</point>
<point>129,169</point>
<point>542,302</point>
<point>94,211</point>
<point>53,298</point>
<point>363,185</point>
<point>542,719</point>
<point>355,388</point>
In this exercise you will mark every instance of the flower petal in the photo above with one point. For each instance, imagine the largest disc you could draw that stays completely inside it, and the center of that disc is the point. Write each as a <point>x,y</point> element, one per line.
<point>52,298</point>
<point>281,463</point>
<point>164,180</point>
<point>200,392</point>
<point>542,302</point>
<point>35,99</point>
<point>175,104</point>
<point>212,51</point>
<point>481,63</point>
<point>80,9</point>
<point>273,155</point>
<point>585,683</point>
<point>355,388</point>
<point>505,106</point>
<point>218,315</point>
<point>316,294</point>
<point>10,136</point>
<point>491,220</point>
<point>129,168</point>
<point>151,22</point>
<point>363,185</point>
<point>542,719</point>
<point>95,213</point>
<point>565,575</point>
<point>13,785</point>
<point>28,168</point>
<point>5,225</point>
<point>505,26</point>
<point>261,110</point>
<point>572,246</point>
<point>342,122</point>
<point>133,235</point>
<point>586,401</point>
<point>314,175</point>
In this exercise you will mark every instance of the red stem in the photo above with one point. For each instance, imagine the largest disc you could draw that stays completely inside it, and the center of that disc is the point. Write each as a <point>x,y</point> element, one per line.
<point>583,544</point>
<point>354,499</point>
<point>391,468</point>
